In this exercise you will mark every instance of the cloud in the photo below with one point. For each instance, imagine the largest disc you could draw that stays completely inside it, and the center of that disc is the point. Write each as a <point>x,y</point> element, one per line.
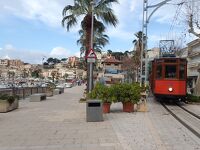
<point>167,12</point>
<point>59,52</point>
<point>34,56</point>
<point>6,57</point>
<point>30,56</point>
<point>9,47</point>
<point>126,13</point>
<point>48,12</point>
<point>77,54</point>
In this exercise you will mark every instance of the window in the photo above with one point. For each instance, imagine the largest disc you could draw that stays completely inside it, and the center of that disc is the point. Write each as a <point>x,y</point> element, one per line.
<point>111,71</point>
<point>159,72</point>
<point>170,71</point>
<point>182,72</point>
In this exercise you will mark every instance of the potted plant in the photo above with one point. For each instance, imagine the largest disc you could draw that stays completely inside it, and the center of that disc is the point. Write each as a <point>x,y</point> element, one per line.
<point>103,93</point>
<point>106,96</point>
<point>8,103</point>
<point>130,95</point>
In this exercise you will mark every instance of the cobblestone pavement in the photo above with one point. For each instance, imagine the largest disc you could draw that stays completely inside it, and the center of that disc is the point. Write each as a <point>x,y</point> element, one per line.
<point>59,123</point>
<point>194,108</point>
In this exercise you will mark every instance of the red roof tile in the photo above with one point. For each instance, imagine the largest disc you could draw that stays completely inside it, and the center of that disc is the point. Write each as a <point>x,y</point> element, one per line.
<point>111,60</point>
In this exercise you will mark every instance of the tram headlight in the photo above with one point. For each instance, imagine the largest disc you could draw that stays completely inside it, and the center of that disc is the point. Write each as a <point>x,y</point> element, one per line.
<point>170,89</point>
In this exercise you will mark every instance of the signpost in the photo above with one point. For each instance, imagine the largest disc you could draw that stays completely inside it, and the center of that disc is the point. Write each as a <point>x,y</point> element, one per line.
<point>91,58</point>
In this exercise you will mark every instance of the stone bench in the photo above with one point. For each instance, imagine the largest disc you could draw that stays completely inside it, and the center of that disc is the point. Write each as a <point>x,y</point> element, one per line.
<point>56,91</point>
<point>37,97</point>
<point>61,89</point>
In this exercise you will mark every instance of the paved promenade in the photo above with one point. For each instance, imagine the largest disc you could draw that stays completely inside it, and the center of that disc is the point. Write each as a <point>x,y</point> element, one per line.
<point>59,123</point>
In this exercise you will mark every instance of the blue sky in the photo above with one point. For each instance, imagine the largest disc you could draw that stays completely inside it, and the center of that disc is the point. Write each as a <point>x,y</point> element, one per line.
<point>31,29</point>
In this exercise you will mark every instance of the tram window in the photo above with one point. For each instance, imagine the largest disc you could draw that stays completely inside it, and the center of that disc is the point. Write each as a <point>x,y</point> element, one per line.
<point>159,60</point>
<point>159,72</point>
<point>170,71</point>
<point>182,72</point>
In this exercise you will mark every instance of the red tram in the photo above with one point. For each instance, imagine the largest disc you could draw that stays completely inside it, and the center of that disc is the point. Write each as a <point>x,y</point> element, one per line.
<point>168,78</point>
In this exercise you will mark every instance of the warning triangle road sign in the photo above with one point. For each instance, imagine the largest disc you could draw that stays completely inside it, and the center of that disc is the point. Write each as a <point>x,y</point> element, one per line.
<point>91,54</point>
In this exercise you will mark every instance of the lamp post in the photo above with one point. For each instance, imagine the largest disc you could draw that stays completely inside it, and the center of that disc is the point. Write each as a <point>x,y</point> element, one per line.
<point>145,22</point>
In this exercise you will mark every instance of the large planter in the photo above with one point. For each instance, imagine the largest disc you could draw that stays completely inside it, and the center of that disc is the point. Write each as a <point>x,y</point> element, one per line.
<point>5,106</point>
<point>106,107</point>
<point>49,92</point>
<point>128,107</point>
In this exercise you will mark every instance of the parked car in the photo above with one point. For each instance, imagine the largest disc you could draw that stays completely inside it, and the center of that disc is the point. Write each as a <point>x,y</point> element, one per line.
<point>68,85</point>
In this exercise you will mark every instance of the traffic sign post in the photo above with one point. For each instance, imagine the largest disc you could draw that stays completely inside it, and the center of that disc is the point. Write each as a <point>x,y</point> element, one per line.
<point>91,58</point>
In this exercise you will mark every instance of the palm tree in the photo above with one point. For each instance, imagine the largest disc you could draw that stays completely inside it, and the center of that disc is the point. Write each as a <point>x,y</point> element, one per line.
<point>10,74</point>
<point>100,40</point>
<point>53,74</point>
<point>137,54</point>
<point>109,52</point>
<point>83,8</point>
<point>36,73</point>
<point>138,42</point>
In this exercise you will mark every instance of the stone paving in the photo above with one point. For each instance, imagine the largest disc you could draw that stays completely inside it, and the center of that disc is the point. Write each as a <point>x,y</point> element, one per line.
<point>193,107</point>
<point>153,130</point>
<point>59,123</point>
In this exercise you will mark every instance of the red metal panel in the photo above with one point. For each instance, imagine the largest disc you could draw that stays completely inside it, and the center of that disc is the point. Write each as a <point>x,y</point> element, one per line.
<point>162,87</point>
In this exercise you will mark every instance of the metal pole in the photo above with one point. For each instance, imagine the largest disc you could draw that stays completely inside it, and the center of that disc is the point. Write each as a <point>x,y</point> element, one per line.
<point>91,46</point>
<point>146,46</point>
<point>142,50</point>
<point>144,25</point>
<point>90,82</point>
<point>92,25</point>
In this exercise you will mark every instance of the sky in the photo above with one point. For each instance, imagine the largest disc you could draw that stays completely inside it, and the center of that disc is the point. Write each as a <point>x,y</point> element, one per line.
<point>31,30</point>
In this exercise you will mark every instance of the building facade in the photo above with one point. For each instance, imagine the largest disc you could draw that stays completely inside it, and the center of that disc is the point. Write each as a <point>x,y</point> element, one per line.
<point>193,65</point>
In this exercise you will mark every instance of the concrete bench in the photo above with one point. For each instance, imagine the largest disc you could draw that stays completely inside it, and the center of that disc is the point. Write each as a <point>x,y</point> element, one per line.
<point>56,91</point>
<point>61,89</point>
<point>37,97</point>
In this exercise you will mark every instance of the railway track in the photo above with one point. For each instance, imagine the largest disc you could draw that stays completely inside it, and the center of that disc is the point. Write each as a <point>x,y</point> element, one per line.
<point>190,112</point>
<point>187,118</point>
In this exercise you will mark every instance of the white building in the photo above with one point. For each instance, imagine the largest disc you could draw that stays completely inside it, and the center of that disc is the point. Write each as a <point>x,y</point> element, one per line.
<point>193,65</point>
<point>153,53</point>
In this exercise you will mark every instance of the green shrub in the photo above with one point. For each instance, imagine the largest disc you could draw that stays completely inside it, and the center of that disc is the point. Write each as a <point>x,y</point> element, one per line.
<point>116,93</point>
<point>192,98</point>
<point>9,98</point>
<point>102,92</point>
<point>130,93</point>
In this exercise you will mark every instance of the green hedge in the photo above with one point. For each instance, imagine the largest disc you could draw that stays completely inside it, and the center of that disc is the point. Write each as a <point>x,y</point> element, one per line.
<point>9,98</point>
<point>192,98</point>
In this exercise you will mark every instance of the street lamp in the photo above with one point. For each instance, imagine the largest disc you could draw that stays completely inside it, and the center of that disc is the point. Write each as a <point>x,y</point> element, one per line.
<point>145,22</point>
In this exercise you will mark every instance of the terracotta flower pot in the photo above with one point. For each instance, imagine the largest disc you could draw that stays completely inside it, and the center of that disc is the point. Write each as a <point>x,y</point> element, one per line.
<point>128,107</point>
<point>106,107</point>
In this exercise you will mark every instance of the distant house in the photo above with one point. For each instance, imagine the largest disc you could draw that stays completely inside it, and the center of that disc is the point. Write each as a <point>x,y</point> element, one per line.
<point>73,61</point>
<point>112,69</point>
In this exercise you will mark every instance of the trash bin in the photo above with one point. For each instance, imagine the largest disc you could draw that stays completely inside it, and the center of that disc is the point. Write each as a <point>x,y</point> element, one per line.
<point>94,111</point>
